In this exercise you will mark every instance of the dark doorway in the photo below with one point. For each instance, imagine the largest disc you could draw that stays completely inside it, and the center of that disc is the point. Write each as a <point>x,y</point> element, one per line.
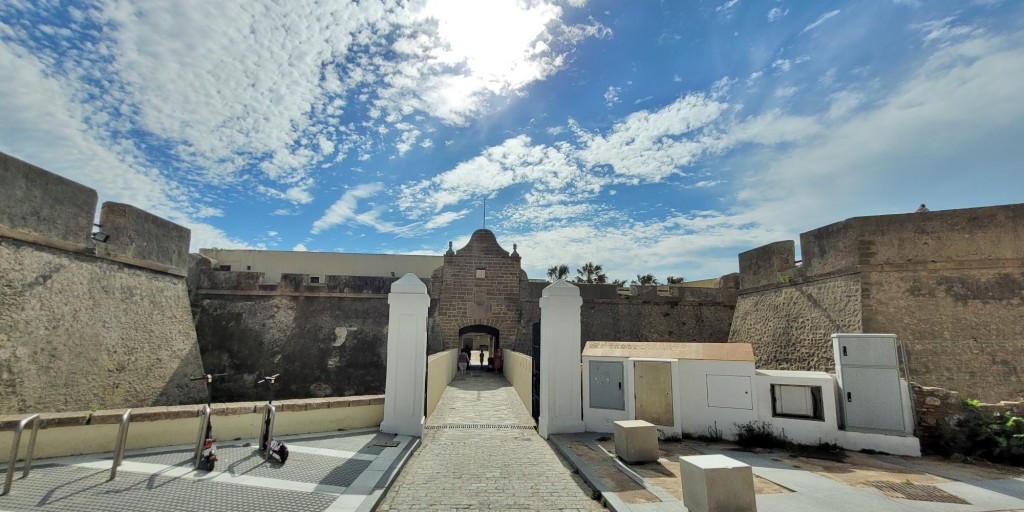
<point>482,348</point>
<point>535,388</point>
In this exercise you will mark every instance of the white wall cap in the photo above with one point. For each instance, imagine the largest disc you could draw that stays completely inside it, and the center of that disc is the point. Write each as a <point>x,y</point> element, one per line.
<point>409,283</point>
<point>561,288</point>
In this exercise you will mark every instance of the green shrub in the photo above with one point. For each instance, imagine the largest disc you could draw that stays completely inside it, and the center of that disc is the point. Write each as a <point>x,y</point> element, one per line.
<point>760,434</point>
<point>977,433</point>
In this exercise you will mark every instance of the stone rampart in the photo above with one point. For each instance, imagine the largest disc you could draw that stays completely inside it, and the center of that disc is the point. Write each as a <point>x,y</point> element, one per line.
<point>321,344</point>
<point>760,266</point>
<point>41,206</point>
<point>83,326</point>
<point>141,238</point>
<point>950,284</point>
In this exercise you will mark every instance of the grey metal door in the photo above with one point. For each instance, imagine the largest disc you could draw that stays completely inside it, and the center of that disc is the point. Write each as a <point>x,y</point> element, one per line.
<point>872,398</point>
<point>606,385</point>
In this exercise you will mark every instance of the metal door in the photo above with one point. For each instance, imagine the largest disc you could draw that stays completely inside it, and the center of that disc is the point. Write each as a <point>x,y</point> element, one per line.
<point>652,388</point>
<point>535,388</point>
<point>872,398</point>
<point>865,350</point>
<point>606,385</point>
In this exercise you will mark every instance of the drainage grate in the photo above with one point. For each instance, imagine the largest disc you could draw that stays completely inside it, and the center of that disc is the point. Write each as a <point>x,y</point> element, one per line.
<point>474,426</point>
<point>917,492</point>
<point>386,444</point>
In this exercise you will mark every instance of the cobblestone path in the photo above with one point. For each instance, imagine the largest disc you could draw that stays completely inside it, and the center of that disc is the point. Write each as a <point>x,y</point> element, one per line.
<point>480,452</point>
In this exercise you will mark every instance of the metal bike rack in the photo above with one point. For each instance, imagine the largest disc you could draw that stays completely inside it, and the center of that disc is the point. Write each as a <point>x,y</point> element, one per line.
<point>122,439</point>
<point>34,419</point>
<point>267,428</point>
<point>201,438</point>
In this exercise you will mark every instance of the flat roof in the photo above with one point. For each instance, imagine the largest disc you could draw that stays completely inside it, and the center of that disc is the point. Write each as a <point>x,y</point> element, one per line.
<point>671,350</point>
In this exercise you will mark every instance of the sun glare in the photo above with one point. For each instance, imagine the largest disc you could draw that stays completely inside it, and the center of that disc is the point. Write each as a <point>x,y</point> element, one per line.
<point>496,39</point>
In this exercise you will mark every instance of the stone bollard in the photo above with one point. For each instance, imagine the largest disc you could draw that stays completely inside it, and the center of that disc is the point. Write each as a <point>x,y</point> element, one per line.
<point>716,483</point>
<point>636,441</point>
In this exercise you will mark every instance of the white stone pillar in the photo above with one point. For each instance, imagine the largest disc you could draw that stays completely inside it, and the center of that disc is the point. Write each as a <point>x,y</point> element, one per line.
<point>561,402</point>
<point>407,357</point>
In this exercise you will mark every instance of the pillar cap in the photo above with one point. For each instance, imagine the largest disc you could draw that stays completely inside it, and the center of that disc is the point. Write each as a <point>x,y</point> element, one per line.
<point>561,288</point>
<point>409,283</point>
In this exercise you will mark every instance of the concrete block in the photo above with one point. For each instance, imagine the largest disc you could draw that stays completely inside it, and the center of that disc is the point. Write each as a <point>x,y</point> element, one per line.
<point>716,483</point>
<point>636,441</point>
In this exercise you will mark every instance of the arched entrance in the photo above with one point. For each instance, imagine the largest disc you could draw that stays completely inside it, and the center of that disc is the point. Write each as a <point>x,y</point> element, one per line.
<point>482,342</point>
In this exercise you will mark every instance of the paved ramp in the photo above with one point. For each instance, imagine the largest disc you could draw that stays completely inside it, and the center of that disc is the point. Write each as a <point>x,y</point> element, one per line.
<point>481,452</point>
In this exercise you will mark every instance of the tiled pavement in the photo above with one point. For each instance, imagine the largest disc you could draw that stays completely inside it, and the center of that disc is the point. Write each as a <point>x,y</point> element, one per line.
<point>325,472</point>
<point>480,452</point>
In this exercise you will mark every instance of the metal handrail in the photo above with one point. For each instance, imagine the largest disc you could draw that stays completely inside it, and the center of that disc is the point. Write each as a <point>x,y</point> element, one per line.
<point>268,429</point>
<point>122,439</point>
<point>34,419</point>
<point>201,438</point>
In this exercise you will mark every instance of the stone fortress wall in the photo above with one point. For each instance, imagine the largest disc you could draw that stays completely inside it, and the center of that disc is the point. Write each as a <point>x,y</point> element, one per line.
<point>88,325</point>
<point>326,339</point>
<point>950,284</point>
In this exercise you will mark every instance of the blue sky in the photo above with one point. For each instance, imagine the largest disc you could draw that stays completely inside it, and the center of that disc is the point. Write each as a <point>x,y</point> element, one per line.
<point>660,137</point>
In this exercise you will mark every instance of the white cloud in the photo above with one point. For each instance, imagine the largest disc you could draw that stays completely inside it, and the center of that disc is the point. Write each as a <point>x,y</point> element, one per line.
<point>944,32</point>
<point>954,125</point>
<point>515,161</point>
<point>654,145</point>
<point>777,13</point>
<point>819,21</point>
<point>300,248</point>
<point>443,219</point>
<point>727,6</point>
<point>611,96</point>
<point>344,210</point>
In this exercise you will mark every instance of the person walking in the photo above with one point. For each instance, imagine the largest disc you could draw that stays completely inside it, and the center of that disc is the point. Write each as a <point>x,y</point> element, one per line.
<point>463,363</point>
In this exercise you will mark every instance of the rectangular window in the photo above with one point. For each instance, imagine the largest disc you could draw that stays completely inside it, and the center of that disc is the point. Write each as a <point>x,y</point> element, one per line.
<point>226,268</point>
<point>314,279</point>
<point>802,402</point>
<point>248,267</point>
<point>481,273</point>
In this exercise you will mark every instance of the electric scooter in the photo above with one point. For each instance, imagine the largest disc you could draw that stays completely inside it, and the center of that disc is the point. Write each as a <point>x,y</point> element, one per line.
<point>267,443</point>
<point>209,454</point>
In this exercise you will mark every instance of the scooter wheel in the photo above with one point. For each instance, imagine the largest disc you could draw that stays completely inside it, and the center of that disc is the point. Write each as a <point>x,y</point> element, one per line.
<point>210,465</point>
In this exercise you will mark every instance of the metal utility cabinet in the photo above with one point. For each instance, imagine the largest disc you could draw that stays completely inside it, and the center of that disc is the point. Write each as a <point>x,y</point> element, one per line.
<point>870,394</point>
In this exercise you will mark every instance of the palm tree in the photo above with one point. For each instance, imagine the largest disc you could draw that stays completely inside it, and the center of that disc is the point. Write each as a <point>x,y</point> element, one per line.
<point>591,273</point>
<point>558,272</point>
<point>675,280</point>
<point>619,282</point>
<point>645,279</point>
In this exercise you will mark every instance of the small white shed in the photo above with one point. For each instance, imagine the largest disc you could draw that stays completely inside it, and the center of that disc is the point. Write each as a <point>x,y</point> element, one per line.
<point>679,387</point>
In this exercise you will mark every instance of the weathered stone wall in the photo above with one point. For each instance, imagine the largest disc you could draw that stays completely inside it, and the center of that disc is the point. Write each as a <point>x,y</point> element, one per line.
<point>963,328</point>
<point>662,320</point>
<point>644,317</point>
<point>80,326</point>
<point>78,332</point>
<point>791,325</point>
<point>325,339</point>
<point>949,284</point>
<point>463,300</point>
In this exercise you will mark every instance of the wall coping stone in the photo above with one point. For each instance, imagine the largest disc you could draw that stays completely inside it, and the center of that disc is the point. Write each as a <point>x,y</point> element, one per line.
<point>145,414</point>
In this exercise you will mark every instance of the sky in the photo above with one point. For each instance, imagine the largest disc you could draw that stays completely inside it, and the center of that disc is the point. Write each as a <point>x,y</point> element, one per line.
<point>648,137</point>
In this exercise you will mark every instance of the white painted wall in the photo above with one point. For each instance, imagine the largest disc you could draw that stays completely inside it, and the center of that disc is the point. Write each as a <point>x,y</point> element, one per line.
<point>696,415</point>
<point>800,430</point>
